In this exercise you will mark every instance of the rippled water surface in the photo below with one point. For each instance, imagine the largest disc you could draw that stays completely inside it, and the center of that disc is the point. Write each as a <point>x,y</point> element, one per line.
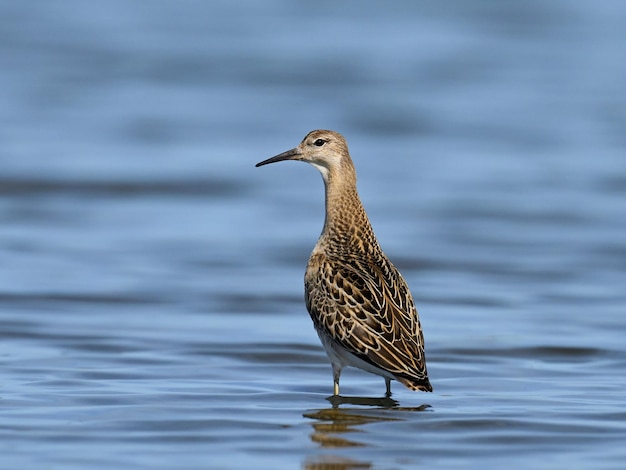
<point>151,311</point>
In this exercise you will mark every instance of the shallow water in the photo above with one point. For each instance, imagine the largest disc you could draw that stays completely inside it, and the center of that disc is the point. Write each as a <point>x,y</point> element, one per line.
<point>151,311</point>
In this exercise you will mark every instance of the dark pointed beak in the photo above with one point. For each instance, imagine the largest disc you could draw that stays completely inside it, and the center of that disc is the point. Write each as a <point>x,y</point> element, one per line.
<point>292,154</point>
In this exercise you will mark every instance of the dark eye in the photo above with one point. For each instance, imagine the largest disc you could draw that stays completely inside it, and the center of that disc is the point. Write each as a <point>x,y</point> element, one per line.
<point>319,142</point>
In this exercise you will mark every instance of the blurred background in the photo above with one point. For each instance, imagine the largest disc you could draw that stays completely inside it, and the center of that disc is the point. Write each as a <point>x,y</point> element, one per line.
<point>151,277</point>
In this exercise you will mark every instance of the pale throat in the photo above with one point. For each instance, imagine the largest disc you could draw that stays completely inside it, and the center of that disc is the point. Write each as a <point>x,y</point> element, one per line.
<point>322,169</point>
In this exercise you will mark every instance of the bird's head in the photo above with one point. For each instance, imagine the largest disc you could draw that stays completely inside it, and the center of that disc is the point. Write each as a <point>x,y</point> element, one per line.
<point>325,150</point>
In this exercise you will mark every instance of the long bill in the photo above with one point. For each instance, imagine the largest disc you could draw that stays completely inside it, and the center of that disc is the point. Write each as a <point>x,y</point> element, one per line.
<point>293,154</point>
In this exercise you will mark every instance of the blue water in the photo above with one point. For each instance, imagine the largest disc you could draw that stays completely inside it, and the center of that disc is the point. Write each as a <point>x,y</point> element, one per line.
<point>151,310</point>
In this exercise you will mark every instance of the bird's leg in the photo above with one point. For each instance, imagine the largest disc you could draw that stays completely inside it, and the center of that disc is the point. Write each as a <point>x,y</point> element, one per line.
<point>388,385</point>
<point>336,374</point>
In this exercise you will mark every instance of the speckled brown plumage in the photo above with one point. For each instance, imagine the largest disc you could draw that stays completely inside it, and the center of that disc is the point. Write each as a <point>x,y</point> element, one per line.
<point>360,305</point>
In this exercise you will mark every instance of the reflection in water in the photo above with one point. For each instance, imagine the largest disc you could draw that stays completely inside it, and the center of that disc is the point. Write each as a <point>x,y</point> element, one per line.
<point>335,463</point>
<point>331,427</point>
<point>384,402</point>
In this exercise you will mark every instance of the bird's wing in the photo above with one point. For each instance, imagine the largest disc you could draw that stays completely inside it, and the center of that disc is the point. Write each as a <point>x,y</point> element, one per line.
<point>366,307</point>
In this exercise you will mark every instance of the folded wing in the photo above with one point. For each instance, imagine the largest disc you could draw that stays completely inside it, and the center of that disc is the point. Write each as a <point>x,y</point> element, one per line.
<point>366,307</point>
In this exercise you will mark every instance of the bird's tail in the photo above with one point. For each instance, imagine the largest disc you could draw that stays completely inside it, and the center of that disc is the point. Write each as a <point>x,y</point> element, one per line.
<point>414,384</point>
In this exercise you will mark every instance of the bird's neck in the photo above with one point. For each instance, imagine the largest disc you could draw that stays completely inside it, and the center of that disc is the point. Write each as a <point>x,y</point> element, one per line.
<point>347,229</point>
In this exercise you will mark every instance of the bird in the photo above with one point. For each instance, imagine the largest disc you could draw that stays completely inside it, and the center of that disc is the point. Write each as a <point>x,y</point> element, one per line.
<point>361,306</point>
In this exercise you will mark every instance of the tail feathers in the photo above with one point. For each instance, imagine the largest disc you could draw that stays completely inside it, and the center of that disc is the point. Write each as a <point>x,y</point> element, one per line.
<point>422,385</point>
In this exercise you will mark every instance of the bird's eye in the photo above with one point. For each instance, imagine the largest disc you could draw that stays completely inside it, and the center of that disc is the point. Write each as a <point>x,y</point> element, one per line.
<point>319,142</point>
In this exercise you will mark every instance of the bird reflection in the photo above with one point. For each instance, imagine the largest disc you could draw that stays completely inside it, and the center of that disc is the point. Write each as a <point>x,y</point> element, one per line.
<point>335,463</point>
<point>336,428</point>
<point>383,402</point>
